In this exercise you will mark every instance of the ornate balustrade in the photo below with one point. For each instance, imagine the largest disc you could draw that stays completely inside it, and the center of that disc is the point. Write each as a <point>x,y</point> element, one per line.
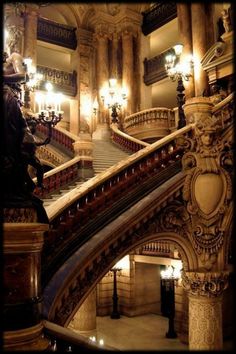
<point>60,137</point>
<point>63,81</point>
<point>154,123</point>
<point>71,212</point>
<point>154,68</point>
<point>158,15</point>
<point>125,141</point>
<point>59,177</point>
<point>56,33</point>
<point>158,248</point>
<point>225,110</point>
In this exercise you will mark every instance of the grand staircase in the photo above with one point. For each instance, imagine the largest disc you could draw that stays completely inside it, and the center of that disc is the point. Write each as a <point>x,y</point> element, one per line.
<point>105,155</point>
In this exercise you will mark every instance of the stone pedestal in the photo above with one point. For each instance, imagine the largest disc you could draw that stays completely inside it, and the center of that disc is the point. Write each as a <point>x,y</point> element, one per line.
<point>83,147</point>
<point>22,246</point>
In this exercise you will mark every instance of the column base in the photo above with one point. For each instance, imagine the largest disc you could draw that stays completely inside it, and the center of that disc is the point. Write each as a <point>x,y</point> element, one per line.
<point>115,315</point>
<point>26,339</point>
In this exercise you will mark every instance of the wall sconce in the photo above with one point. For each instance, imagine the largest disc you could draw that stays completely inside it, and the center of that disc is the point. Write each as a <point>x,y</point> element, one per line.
<point>179,71</point>
<point>113,98</point>
<point>49,111</point>
<point>169,277</point>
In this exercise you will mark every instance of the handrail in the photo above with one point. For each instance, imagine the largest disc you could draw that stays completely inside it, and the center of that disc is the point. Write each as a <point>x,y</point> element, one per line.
<point>126,141</point>
<point>64,338</point>
<point>58,177</point>
<point>107,177</point>
<point>61,136</point>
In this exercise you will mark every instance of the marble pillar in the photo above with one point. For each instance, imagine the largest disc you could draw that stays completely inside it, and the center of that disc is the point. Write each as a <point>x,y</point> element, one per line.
<point>205,290</point>
<point>85,318</point>
<point>205,323</point>
<point>102,73</point>
<point>199,40</point>
<point>30,38</point>
<point>128,69</point>
<point>185,33</point>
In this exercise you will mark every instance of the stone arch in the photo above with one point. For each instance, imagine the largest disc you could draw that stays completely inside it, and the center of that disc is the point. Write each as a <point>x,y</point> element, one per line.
<point>75,280</point>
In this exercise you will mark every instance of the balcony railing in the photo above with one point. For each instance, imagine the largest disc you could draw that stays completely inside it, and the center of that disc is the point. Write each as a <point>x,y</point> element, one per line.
<point>56,33</point>
<point>63,81</point>
<point>158,15</point>
<point>154,68</point>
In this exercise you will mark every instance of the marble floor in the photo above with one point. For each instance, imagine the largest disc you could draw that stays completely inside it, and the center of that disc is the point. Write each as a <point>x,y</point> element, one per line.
<point>145,333</point>
<point>139,333</point>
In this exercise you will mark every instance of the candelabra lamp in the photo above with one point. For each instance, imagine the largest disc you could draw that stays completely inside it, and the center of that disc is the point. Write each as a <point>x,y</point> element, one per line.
<point>49,113</point>
<point>115,313</point>
<point>180,71</point>
<point>168,279</point>
<point>114,99</point>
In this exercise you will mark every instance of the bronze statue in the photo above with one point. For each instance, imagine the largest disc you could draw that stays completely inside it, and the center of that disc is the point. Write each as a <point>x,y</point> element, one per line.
<point>19,145</point>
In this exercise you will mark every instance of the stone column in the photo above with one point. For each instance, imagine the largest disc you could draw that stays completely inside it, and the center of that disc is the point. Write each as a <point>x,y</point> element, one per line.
<point>205,309</point>
<point>85,318</point>
<point>14,24</point>
<point>114,55</point>
<point>199,40</point>
<point>102,73</point>
<point>22,324</point>
<point>185,33</point>
<point>127,68</point>
<point>30,38</point>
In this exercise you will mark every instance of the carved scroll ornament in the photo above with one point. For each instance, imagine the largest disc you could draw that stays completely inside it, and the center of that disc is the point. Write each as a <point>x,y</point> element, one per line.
<point>208,186</point>
<point>205,284</point>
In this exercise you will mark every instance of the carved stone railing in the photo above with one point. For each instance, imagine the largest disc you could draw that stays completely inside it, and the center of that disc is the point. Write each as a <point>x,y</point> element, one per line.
<point>60,137</point>
<point>59,177</point>
<point>56,33</point>
<point>150,123</point>
<point>69,214</point>
<point>154,68</point>
<point>63,81</point>
<point>225,110</point>
<point>125,141</point>
<point>158,248</point>
<point>158,15</point>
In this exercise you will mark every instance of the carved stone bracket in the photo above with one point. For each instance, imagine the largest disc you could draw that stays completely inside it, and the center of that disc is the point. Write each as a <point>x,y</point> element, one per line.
<point>205,284</point>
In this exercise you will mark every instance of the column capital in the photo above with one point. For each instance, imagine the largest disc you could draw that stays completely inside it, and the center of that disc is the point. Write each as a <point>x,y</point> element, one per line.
<point>210,284</point>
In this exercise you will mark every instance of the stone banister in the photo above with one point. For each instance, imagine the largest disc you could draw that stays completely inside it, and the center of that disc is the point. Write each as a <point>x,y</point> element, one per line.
<point>58,177</point>
<point>150,115</point>
<point>163,147</point>
<point>61,136</point>
<point>150,124</point>
<point>126,141</point>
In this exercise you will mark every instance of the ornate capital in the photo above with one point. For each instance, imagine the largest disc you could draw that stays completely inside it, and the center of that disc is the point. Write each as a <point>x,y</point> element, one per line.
<point>205,284</point>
